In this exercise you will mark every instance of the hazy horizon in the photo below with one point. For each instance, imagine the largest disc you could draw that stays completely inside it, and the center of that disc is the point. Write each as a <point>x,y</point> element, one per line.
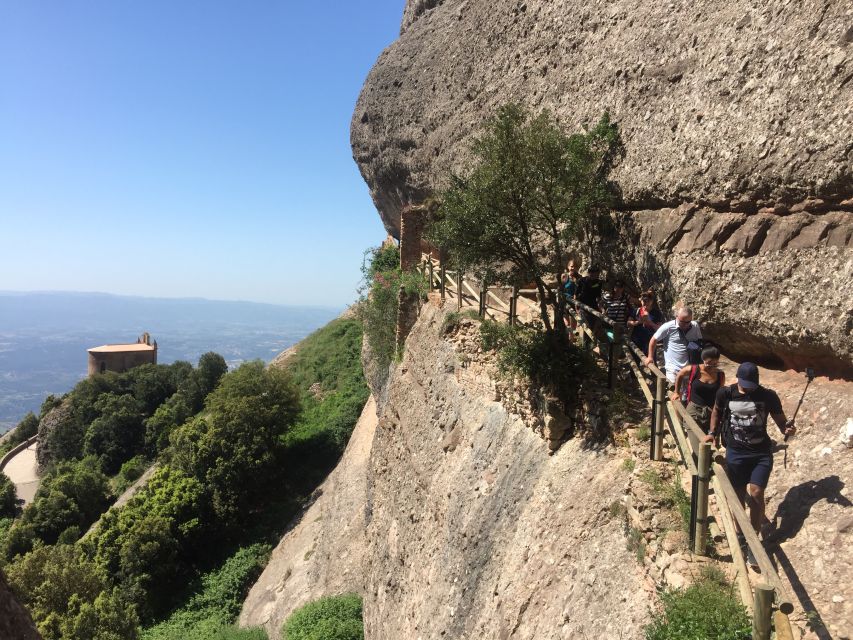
<point>44,336</point>
<point>215,164</point>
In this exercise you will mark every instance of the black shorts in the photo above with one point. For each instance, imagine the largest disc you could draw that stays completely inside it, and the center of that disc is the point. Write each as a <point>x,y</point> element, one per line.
<point>746,467</point>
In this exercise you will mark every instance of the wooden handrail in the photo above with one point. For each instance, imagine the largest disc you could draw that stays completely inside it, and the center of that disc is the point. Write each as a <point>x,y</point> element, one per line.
<point>688,436</point>
<point>768,571</point>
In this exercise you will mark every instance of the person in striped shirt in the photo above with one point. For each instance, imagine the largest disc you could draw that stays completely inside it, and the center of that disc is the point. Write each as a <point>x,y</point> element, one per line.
<point>616,306</point>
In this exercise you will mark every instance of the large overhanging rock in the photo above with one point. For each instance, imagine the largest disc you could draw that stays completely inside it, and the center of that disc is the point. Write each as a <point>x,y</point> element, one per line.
<point>742,110</point>
<point>726,103</point>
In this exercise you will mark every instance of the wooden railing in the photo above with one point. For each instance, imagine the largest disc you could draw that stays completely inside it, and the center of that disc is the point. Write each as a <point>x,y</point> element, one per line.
<point>666,416</point>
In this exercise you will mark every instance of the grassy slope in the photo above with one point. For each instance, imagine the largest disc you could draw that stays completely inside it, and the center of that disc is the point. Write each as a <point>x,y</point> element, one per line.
<point>331,357</point>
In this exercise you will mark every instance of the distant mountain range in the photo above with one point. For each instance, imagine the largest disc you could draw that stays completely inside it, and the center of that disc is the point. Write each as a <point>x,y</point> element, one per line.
<point>44,336</point>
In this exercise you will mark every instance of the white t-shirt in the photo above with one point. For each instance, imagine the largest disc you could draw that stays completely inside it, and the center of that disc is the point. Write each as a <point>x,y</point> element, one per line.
<point>675,343</point>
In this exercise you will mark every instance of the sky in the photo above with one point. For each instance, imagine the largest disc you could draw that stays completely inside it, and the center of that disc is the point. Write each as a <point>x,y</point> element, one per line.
<point>186,149</point>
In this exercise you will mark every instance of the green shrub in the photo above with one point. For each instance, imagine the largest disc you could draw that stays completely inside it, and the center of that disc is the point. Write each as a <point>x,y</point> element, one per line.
<point>71,497</point>
<point>129,473</point>
<point>212,609</point>
<point>382,283</point>
<point>234,633</point>
<point>636,543</point>
<point>69,597</point>
<point>535,355</point>
<point>707,609</point>
<point>9,507</point>
<point>234,447</point>
<point>26,428</point>
<point>330,357</point>
<point>644,433</point>
<point>332,618</point>
<point>670,494</point>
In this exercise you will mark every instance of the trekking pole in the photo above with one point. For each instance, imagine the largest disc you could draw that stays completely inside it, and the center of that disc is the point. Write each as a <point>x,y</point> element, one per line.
<point>810,376</point>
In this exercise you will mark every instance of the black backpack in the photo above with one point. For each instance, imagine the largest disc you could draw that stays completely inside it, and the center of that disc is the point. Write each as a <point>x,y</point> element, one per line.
<point>725,418</point>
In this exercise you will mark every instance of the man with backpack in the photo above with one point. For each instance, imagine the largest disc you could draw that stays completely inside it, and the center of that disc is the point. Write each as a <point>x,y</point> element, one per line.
<point>740,416</point>
<point>681,339</point>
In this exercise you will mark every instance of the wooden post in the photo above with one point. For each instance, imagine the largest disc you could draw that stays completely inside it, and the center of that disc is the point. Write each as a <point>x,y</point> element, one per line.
<point>782,626</point>
<point>660,402</point>
<point>482,296</point>
<point>762,612</point>
<point>513,306</point>
<point>704,473</point>
<point>441,276</point>
<point>459,289</point>
<point>431,276</point>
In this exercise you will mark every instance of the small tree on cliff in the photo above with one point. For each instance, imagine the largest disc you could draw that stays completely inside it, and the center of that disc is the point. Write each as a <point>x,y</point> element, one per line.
<point>532,190</point>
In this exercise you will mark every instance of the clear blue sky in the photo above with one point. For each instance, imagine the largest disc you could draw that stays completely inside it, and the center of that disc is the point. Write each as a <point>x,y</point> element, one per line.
<point>186,148</point>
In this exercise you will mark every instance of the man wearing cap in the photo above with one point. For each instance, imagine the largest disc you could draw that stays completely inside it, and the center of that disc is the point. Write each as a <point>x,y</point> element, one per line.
<point>742,408</point>
<point>679,338</point>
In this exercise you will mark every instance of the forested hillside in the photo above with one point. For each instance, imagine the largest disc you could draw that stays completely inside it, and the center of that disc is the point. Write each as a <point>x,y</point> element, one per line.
<point>238,453</point>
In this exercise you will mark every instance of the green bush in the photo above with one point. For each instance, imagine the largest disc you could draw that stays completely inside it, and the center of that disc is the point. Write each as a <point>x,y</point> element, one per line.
<point>69,597</point>
<point>332,618</point>
<point>330,357</point>
<point>129,473</point>
<point>534,354</point>
<point>9,507</point>
<point>217,601</point>
<point>234,633</point>
<point>71,497</point>
<point>707,609</point>
<point>26,428</point>
<point>383,281</point>
<point>234,447</point>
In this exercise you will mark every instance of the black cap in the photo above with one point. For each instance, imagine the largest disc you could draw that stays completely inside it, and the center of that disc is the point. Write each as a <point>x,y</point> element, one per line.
<point>747,376</point>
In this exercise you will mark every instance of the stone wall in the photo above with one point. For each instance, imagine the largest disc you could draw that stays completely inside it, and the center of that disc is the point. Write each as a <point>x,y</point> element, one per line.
<point>412,221</point>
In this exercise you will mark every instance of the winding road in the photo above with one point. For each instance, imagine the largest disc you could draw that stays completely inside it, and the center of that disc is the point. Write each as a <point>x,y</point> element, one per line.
<point>23,471</point>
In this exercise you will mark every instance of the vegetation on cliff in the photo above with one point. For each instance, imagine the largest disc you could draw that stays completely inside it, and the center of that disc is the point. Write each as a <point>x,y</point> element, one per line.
<point>383,281</point>
<point>331,618</point>
<point>706,609</point>
<point>238,452</point>
<point>532,191</point>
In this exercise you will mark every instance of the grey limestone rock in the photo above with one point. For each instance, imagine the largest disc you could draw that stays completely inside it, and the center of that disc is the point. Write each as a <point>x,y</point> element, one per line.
<point>737,104</point>
<point>737,121</point>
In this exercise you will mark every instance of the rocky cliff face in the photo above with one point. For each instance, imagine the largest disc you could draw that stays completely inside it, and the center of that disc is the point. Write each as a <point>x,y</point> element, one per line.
<point>452,520</point>
<point>736,118</point>
<point>474,530</point>
<point>15,620</point>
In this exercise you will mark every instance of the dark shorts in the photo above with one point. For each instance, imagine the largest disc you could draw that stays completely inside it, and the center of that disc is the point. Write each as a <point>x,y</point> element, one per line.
<point>746,467</point>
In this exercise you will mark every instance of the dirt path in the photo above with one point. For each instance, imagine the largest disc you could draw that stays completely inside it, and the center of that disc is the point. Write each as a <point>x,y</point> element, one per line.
<point>810,504</point>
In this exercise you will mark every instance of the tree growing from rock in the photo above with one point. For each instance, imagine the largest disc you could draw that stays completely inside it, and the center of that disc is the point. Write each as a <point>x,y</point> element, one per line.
<point>532,190</point>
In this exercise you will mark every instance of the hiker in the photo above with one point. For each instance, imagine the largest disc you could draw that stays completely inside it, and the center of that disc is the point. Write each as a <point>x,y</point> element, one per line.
<point>645,320</point>
<point>589,293</point>
<point>740,416</point>
<point>680,339</point>
<point>702,383</point>
<point>571,280</point>
<point>616,306</point>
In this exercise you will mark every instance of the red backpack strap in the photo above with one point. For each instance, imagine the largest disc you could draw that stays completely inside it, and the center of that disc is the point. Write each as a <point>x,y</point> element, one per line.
<point>693,371</point>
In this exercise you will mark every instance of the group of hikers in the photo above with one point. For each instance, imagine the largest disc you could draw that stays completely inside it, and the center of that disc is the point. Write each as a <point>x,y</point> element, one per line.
<point>734,414</point>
